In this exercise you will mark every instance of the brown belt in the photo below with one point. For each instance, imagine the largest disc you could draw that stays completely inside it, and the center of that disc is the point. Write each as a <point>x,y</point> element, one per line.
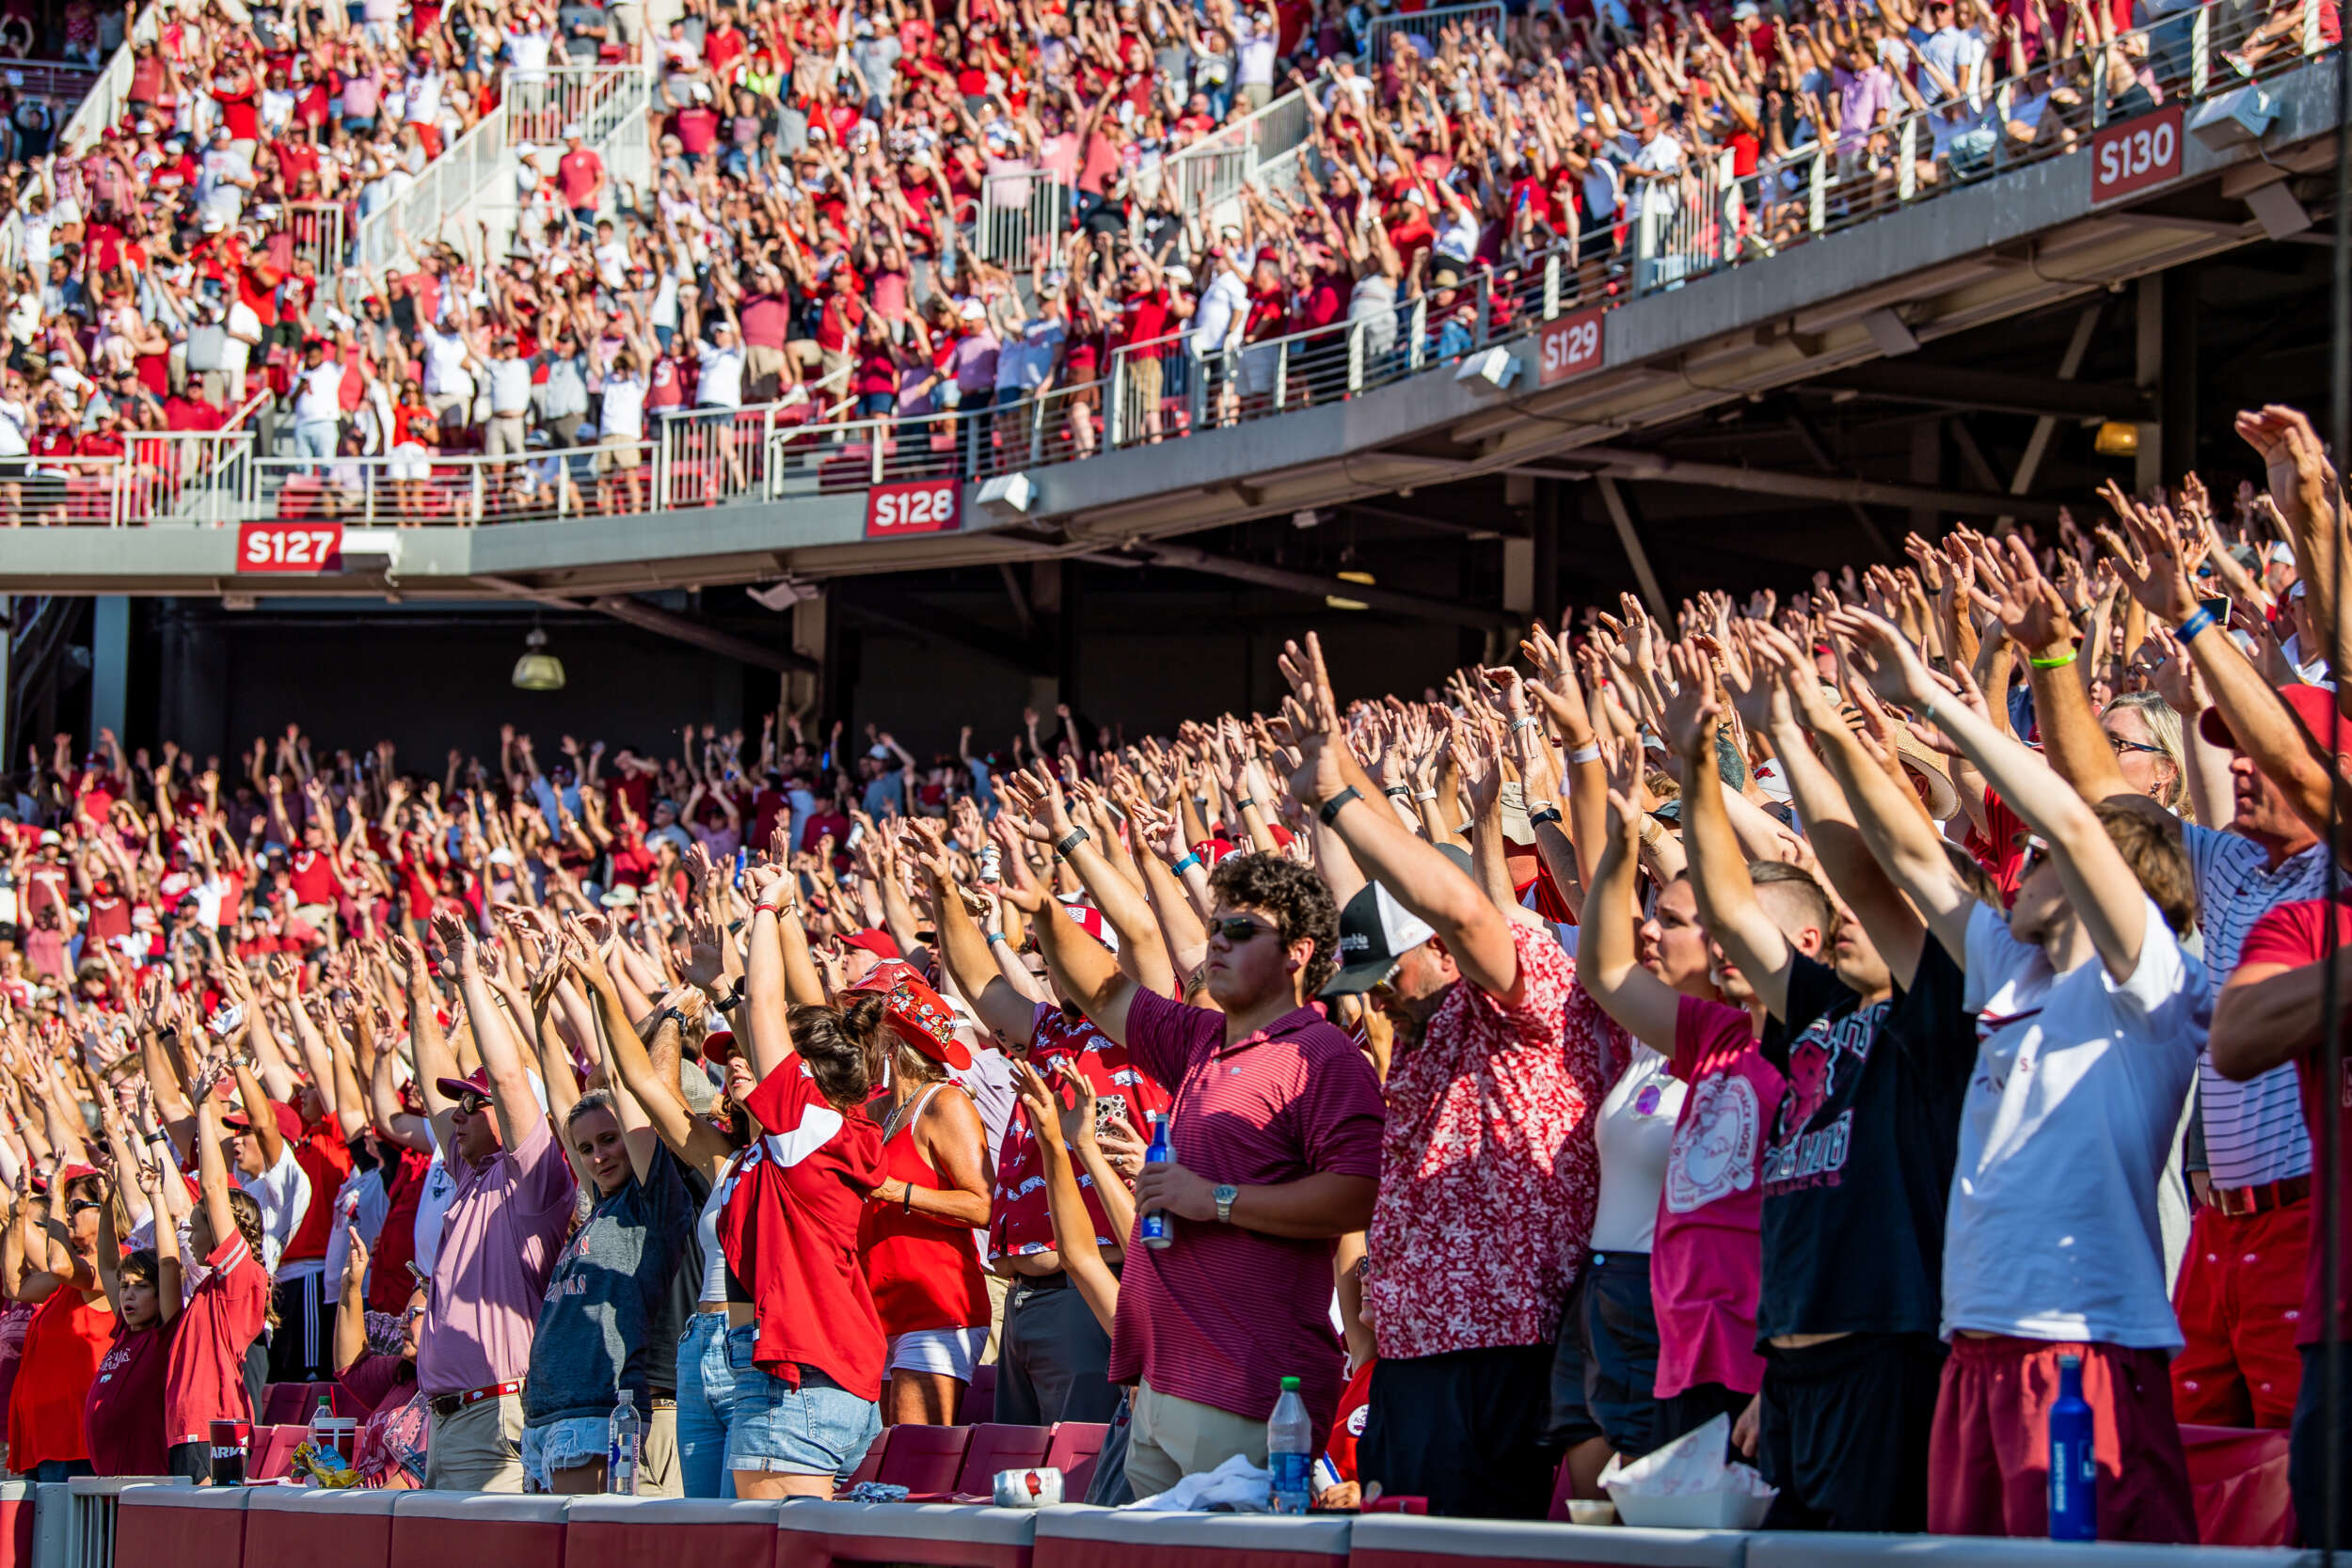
<point>2238,1201</point>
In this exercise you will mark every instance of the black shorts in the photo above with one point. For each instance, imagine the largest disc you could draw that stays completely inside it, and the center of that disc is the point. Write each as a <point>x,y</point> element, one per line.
<point>1605,1364</point>
<point>1844,1432</point>
<point>1694,1408</point>
<point>2306,1447</point>
<point>192,1459</point>
<point>1463,1430</point>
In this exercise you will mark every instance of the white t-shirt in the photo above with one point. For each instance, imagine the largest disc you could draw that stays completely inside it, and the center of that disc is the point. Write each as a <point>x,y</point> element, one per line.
<point>1221,302</point>
<point>624,413</point>
<point>2052,1231</point>
<point>284,1192</point>
<point>363,1189</point>
<point>321,397</point>
<point>245,329</point>
<point>1635,1133</point>
<point>510,385</point>
<point>721,384</point>
<point>445,362</point>
<point>441,1186</point>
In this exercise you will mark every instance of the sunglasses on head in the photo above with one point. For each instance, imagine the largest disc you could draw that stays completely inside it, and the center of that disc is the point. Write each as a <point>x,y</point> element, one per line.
<point>1236,929</point>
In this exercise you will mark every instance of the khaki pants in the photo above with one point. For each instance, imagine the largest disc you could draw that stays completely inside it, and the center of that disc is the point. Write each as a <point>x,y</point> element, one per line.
<point>1170,1439</point>
<point>764,369</point>
<point>478,1447</point>
<point>506,437</point>
<point>998,1288</point>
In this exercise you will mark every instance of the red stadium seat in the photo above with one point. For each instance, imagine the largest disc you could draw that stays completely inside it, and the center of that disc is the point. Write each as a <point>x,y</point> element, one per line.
<point>925,1459</point>
<point>979,1399</point>
<point>280,1402</point>
<point>1072,1449</point>
<point>992,1449</point>
<point>273,1451</point>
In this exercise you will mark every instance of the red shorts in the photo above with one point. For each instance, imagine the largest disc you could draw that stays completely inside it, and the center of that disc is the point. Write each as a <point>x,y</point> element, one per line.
<point>1989,1457</point>
<point>429,135</point>
<point>2240,1301</point>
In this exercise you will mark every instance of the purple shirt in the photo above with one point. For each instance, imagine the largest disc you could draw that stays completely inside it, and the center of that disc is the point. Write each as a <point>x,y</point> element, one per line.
<point>499,1243</point>
<point>1224,1314</point>
<point>1861,98</point>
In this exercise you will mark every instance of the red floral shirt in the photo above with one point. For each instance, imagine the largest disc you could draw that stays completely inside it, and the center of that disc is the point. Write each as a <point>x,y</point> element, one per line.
<point>1488,1170</point>
<point>1020,1221</point>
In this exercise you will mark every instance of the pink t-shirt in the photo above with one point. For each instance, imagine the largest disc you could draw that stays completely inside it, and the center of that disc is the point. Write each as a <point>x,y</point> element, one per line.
<point>499,1243</point>
<point>1706,1262</point>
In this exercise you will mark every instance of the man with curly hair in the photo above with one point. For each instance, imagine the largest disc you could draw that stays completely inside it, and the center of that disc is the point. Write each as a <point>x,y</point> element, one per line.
<point>1276,1132</point>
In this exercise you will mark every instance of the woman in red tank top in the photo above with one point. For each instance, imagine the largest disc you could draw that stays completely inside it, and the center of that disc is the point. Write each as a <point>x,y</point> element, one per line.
<point>915,1239</point>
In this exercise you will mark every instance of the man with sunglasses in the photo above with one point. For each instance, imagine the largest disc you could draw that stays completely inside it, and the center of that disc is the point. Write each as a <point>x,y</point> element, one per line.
<point>506,1219</point>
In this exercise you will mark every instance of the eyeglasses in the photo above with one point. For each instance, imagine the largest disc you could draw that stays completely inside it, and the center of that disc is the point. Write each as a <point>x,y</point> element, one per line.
<point>1236,929</point>
<point>2121,746</point>
<point>473,1105</point>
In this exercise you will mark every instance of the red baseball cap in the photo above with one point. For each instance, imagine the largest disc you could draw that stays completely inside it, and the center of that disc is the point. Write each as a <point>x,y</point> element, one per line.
<point>873,941</point>
<point>476,1082</point>
<point>718,1046</point>
<point>2315,706</point>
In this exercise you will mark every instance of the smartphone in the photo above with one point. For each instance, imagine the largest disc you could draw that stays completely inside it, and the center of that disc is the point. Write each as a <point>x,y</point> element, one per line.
<point>2219,609</point>
<point>742,859</point>
<point>1109,1108</point>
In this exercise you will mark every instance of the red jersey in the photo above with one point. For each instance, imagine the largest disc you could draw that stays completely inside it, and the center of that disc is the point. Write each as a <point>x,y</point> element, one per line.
<point>922,1270</point>
<point>204,1380</point>
<point>325,1160</point>
<point>789,1225</point>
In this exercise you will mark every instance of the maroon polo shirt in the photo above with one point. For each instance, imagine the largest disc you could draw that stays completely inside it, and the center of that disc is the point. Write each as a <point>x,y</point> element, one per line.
<point>1223,1314</point>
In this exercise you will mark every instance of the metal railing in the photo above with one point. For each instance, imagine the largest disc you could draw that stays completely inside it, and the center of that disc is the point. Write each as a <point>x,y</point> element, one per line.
<point>1426,26</point>
<point>89,1533</point>
<point>595,98</point>
<point>316,228</point>
<point>1017,208</point>
<point>109,90</point>
<point>1701,220</point>
<point>465,171</point>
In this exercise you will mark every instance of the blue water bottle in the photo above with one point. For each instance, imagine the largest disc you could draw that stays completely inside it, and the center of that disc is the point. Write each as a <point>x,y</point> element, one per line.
<point>1157,1228</point>
<point>2073,1459</point>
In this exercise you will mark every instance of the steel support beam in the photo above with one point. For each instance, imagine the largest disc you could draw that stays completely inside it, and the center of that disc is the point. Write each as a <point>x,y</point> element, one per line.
<point>1413,605</point>
<point>663,623</point>
<point>1990,391</point>
<point>1651,467</point>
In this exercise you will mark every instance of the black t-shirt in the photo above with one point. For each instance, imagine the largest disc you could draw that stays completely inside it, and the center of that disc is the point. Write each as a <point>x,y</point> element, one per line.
<point>1858,1166</point>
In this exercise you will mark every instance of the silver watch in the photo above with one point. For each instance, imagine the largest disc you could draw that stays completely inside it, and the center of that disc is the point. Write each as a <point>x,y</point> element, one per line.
<point>1225,1191</point>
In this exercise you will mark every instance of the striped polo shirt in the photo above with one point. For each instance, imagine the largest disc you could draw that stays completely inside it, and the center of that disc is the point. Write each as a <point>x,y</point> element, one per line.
<point>2253,1130</point>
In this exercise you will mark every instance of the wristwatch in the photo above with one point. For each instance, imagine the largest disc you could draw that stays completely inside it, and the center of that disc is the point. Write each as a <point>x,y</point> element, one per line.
<point>1225,1191</point>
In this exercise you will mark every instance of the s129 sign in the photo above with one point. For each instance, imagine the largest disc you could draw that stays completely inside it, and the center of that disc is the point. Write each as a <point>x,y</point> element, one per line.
<point>1571,346</point>
<point>923,506</point>
<point>2135,154</point>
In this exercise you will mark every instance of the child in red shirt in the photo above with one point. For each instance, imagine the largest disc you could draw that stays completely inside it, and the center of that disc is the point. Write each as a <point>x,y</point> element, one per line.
<point>204,1376</point>
<point>122,1421</point>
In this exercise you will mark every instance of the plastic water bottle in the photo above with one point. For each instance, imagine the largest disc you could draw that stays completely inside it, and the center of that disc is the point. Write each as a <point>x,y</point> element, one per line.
<point>624,1442</point>
<point>2074,1461</point>
<point>1289,1447</point>
<point>323,1426</point>
<point>1158,1227</point>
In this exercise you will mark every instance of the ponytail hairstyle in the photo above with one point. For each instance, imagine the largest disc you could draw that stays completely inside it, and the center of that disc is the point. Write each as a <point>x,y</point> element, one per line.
<point>248,1217</point>
<point>842,1046</point>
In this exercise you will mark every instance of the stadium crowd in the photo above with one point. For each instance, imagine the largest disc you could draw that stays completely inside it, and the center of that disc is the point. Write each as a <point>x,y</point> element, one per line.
<point>1827,1011</point>
<point>825,185</point>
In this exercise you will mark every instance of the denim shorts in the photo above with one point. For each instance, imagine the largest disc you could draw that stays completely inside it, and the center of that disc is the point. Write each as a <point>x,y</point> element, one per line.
<point>563,1445</point>
<point>819,1428</point>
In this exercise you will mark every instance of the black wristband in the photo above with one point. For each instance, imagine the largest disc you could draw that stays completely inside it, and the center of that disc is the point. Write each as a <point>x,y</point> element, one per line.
<point>1331,809</point>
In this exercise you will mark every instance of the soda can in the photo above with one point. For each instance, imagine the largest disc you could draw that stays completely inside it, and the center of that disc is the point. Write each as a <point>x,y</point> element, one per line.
<point>1037,1488</point>
<point>231,1440</point>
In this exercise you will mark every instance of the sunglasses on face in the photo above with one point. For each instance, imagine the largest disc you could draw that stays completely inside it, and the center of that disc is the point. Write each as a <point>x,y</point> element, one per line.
<point>1236,929</point>
<point>473,1105</point>
<point>2120,746</point>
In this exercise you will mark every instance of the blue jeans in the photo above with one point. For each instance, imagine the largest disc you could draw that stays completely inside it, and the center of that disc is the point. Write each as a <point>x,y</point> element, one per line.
<point>817,1429</point>
<point>61,1469</point>
<point>315,439</point>
<point>706,1403</point>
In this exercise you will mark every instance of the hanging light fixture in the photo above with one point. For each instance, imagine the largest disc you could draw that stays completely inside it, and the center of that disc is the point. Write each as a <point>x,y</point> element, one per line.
<point>538,670</point>
<point>2116,439</point>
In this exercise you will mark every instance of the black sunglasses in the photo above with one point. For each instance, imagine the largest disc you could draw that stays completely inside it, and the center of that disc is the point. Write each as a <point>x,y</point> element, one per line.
<point>1236,929</point>
<point>473,1105</point>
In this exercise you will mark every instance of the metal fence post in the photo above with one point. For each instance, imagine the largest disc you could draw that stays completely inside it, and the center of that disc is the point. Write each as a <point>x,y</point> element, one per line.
<point>1356,355</point>
<point>2200,52</point>
<point>1817,191</point>
<point>1552,284</point>
<point>1907,156</point>
<point>1115,406</point>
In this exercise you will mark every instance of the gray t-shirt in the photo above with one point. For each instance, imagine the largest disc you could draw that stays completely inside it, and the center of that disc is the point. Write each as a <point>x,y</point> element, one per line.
<point>611,1316</point>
